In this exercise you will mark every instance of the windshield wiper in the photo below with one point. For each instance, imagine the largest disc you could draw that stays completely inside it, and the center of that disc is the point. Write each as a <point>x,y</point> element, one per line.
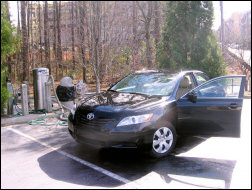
<point>150,95</point>
<point>112,90</point>
<point>141,94</point>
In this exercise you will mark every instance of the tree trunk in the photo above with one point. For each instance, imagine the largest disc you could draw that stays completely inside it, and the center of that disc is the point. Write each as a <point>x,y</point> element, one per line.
<point>55,37</point>
<point>24,41</point>
<point>147,22</point>
<point>17,52</point>
<point>46,37</point>
<point>148,45</point>
<point>59,53</point>
<point>40,35</point>
<point>28,39</point>
<point>148,39</point>
<point>72,29</point>
<point>32,54</point>
<point>157,27</point>
<point>82,46</point>
<point>134,34</point>
<point>97,43</point>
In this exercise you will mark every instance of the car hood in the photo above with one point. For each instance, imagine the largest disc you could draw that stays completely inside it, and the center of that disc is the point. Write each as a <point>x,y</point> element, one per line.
<point>110,101</point>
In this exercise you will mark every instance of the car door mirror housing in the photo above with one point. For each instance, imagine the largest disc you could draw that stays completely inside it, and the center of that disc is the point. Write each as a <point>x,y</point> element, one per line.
<point>192,96</point>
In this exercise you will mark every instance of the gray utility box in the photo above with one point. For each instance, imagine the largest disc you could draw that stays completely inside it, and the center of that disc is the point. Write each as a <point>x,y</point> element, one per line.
<point>40,76</point>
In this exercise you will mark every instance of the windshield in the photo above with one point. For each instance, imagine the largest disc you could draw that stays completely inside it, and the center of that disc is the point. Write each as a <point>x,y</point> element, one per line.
<point>147,83</point>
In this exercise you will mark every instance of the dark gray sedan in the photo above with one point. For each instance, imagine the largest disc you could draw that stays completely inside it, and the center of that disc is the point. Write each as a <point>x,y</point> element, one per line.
<point>148,109</point>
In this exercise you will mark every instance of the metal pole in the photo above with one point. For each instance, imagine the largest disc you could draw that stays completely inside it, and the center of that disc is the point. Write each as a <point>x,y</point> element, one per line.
<point>28,92</point>
<point>48,98</point>
<point>24,99</point>
<point>10,103</point>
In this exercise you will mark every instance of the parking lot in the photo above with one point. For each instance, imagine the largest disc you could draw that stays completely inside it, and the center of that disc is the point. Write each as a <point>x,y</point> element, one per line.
<point>39,156</point>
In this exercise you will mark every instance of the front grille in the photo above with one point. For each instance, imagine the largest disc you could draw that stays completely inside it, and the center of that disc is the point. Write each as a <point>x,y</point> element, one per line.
<point>100,119</point>
<point>97,122</point>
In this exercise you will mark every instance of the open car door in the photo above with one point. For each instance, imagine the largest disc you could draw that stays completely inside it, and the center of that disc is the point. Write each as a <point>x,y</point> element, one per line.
<point>213,108</point>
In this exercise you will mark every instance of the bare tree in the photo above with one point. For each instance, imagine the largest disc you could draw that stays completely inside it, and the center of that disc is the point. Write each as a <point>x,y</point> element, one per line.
<point>147,21</point>
<point>59,49</point>
<point>95,31</point>
<point>28,36</point>
<point>103,49</point>
<point>17,52</point>
<point>40,35</point>
<point>32,49</point>
<point>134,33</point>
<point>156,27</point>
<point>72,31</point>
<point>82,21</point>
<point>55,37</point>
<point>108,35</point>
<point>46,38</point>
<point>24,41</point>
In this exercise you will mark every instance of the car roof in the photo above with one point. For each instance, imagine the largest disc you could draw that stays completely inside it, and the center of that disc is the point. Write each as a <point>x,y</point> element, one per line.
<point>167,71</point>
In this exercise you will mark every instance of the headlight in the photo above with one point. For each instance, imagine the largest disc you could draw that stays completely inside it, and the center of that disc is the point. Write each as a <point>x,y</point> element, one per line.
<point>73,110</point>
<point>135,119</point>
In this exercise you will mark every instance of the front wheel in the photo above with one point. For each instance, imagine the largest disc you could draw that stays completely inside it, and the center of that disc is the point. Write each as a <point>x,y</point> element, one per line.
<point>164,140</point>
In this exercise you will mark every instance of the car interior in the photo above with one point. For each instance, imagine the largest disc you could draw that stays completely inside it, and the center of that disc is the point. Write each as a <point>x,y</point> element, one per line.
<point>185,86</point>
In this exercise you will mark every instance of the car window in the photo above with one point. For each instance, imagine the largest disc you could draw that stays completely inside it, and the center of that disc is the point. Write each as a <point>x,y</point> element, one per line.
<point>148,83</point>
<point>223,87</point>
<point>186,84</point>
<point>201,78</point>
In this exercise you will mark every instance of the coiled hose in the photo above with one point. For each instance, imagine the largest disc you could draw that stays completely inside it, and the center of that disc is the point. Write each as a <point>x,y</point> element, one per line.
<point>42,120</point>
<point>55,94</point>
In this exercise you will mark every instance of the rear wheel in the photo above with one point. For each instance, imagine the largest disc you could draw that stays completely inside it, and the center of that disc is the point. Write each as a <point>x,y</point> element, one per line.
<point>164,140</point>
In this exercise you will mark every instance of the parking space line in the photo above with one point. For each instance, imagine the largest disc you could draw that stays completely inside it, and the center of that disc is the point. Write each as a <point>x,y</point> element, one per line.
<point>88,164</point>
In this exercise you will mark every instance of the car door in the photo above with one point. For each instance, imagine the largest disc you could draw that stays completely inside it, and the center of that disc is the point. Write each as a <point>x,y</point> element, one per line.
<point>213,108</point>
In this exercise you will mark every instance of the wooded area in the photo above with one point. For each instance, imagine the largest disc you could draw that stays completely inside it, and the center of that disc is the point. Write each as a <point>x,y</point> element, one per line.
<point>95,40</point>
<point>99,42</point>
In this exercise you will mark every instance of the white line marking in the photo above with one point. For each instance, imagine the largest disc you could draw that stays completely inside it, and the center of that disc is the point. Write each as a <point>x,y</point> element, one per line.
<point>97,168</point>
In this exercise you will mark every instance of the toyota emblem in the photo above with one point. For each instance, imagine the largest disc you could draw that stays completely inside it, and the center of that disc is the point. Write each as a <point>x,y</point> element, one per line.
<point>90,116</point>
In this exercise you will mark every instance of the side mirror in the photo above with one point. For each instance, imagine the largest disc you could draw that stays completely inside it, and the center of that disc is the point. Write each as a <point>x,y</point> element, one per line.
<point>192,96</point>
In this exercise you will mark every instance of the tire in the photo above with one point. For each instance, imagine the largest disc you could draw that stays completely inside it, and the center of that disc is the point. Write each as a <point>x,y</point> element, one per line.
<point>164,141</point>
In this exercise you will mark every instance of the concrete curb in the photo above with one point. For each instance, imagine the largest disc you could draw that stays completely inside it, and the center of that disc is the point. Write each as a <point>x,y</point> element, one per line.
<point>25,119</point>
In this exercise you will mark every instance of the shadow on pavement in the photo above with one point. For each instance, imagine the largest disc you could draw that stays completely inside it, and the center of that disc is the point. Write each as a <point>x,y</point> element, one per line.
<point>133,164</point>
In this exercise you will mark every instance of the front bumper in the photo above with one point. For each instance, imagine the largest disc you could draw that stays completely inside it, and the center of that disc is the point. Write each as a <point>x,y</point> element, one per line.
<point>107,137</point>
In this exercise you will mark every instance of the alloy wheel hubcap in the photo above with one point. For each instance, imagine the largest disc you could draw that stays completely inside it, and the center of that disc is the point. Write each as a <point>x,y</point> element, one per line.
<point>162,140</point>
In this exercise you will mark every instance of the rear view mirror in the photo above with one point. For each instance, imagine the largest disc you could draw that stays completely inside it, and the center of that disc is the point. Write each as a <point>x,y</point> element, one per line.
<point>192,96</point>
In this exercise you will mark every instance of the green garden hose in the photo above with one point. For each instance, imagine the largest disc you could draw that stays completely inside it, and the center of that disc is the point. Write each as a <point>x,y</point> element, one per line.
<point>41,121</point>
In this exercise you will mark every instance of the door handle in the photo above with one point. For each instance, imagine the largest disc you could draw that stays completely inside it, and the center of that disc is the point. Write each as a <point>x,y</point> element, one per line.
<point>233,105</point>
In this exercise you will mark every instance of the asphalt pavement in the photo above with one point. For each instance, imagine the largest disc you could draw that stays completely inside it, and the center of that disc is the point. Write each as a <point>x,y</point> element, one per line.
<point>35,156</point>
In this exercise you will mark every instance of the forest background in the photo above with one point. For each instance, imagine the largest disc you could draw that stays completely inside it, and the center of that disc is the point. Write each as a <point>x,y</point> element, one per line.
<point>99,42</point>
